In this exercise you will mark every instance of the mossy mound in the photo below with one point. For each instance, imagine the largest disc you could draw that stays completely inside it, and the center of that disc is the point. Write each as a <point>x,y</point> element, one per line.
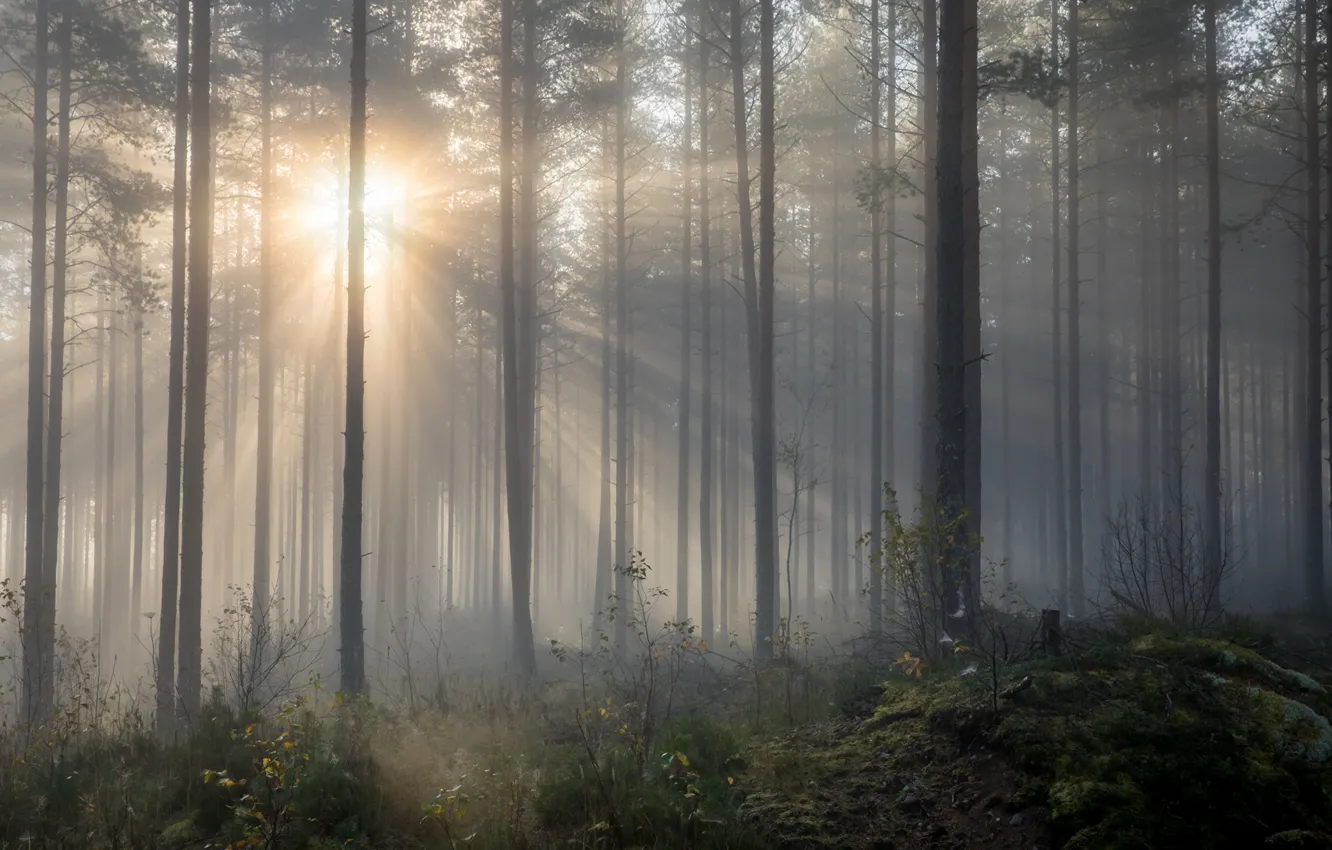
<point>1139,741</point>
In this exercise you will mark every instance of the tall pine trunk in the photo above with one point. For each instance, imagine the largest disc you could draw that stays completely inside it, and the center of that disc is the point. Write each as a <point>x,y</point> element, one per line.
<point>38,656</point>
<point>1212,494</point>
<point>352,629</point>
<point>196,370</point>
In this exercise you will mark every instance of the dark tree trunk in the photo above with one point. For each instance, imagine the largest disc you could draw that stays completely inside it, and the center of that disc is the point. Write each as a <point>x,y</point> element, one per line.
<point>951,248</point>
<point>1313,311</point>
<point>1212,494</point>
<point>1075,541</point>
<point>196,370</point>
<point>353,471</point>
<point>876,430</point>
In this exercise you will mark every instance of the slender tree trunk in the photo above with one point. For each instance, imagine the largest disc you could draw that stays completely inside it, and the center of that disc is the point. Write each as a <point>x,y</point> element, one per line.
<point>353,471</point>
<point>1075,541</point>
<point>876,430</point>
<point>929,107</point>
<point>1212,496</point>
<point>1057,352</point>
<point>136,562</point>
<point>686,343</point>
<point>622,436</point>
<point>196,371</point>
<point>1313,428</point>
<point>605,560</point>
<point>706,475</point>
<point>267,307</point>
<point>38,658</point>
<point>56,397</point>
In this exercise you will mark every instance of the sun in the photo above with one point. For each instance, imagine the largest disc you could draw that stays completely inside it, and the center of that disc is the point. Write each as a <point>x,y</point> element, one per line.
<point>321,207</point>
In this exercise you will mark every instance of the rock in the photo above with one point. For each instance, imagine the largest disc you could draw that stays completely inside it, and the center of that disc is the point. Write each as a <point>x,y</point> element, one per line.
<point>1015,820</point>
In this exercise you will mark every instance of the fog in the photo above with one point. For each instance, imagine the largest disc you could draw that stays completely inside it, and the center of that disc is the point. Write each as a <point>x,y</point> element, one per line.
<point>638,320</point>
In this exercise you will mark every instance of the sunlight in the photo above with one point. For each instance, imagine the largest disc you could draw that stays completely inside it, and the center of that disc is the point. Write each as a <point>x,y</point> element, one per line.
<point>323,204</point>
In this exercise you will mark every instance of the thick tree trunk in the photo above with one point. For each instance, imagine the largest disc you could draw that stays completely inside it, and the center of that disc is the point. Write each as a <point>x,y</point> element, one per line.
<point>951,249</point>
<point>196,370</point>
<point>352,630</point>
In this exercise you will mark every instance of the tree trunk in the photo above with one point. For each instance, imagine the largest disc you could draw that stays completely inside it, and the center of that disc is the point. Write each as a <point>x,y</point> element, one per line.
<point>706,475</point>
<point>876,325</point>
<point>353,471</point>
<point>929,108</point>
<point>267,314</point>
<point>1075,541</point>
<point>196,371</point>
<point>622,436</point>
<point>1212,494</point>
<point>1057,354</point>
<point>38,657</point>
<point>950,454</point>
<point>1313,311</point>
<point>603,580</point>
<point>686,343</point>
<point>56,397</point>
<point>136,561</point>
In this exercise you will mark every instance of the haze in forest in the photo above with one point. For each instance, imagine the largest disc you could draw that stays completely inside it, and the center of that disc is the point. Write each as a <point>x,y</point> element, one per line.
<point>704,290</point>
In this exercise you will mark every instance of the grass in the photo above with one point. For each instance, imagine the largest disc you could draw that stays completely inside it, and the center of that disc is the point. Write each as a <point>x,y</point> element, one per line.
<point>1142,736</point>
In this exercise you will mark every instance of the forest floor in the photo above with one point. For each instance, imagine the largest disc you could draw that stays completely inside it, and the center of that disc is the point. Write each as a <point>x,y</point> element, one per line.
<point>1135,736</point>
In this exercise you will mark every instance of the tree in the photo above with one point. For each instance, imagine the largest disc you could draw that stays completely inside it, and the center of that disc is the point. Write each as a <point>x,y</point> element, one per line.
<point>765,395</point>
<point>188,681</point>
<point>685,425</point>
<point>38,658</point>
<point>353,470</point>
<point>1313,313</point>
<point>1075,541</point>
<point>267,307</point>
<point>166,641</point>
<point>950,249</point>
<point>1212,494</point>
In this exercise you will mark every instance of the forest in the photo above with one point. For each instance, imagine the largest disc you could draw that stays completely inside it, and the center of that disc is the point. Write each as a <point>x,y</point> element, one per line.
<point>617,423</point>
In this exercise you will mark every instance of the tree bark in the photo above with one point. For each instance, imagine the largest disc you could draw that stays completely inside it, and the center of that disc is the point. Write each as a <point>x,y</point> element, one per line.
<point>685,422</point>
<point>1212,494</point>
<point>267,307</point>
<point>706,474</point>
<point>38,658</point>
<point>196,370</point>
<point>352,629</point>
<point>1313,427</point>
<point>1075,541</point>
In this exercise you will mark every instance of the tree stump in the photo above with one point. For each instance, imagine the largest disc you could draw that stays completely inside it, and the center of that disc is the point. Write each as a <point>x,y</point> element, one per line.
<point>1051,634</point>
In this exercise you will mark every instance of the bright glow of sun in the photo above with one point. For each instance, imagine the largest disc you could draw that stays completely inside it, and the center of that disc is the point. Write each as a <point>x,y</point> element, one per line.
<point>324,202</point>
